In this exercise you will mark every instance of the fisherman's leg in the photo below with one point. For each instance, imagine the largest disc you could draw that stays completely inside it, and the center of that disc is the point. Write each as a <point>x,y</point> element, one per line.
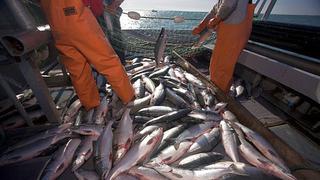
<point>98,51</point>
<point>81,76</point>
<point>223,60</point>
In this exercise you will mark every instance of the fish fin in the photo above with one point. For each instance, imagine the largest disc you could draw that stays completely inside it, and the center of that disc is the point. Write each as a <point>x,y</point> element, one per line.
<point>176,145</point>
<point>236,171</point>
<point>263,162</point>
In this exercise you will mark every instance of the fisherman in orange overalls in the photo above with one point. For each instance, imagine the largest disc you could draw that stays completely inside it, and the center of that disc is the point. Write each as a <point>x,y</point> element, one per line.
<point>232,20</point>
<point>82,43</point>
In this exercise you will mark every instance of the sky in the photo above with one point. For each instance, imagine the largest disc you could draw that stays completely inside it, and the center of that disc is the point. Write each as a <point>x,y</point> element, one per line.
<point>301,7</point>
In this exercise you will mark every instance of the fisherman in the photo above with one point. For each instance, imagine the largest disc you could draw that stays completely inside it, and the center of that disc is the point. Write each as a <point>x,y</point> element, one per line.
<point>81,43</point>
<point>112,26</point>
<point>232,21</point>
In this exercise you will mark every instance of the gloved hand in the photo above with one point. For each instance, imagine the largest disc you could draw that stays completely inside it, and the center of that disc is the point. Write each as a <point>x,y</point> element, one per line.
<point>198,29</point>
<point>214,22</point>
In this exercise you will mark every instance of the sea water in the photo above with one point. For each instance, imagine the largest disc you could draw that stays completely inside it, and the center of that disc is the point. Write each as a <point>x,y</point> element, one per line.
<point>193,18</point>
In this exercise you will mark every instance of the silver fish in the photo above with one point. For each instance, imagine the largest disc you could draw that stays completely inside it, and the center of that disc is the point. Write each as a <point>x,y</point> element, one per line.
<point>229,141</point>
<point>220,107</point>
<point>145,131</point>
<point>172,116</point>
<point>263,146</point>
<point>199,174</point>
<point>88,130</point>
<point>160,47</point>
<point>136,154</point>
<point>147,67</point>
<point>185,94</point>
<point>169,134</point>
<point>158,95</point>
<point>228,115</point>
<point>101,111</point>
<point>251,172</point>
<point>139,89</point>
<point>82,174</point>
<point>138,76</point>
<point>123,136</point>
<point>72,111</point>
<point>155,111</point>
<point>61,160</point>
<point>103,151</point>
<point>179,74</point>
<point>145,173</point>
<point>31,150</point>
<point>194,80</point>
<point>201,159</point>
<point>148,83</point>
<point>208,98</point>
<point>88,116</point>
<point>125,176</point>
<point>206,142</point>
<point>255,158</point>
<point>43,135</point>
<point>194,131</point>
<point>176,99</point>
<point>161,72</point>
<point>171,73</point>
<point>171,154</point>
<point>84,153</point>
<point>138,104</point>
<point>132,66</point>
<point>141,119</point>
<point>195,103</point>
<point>205,115</point>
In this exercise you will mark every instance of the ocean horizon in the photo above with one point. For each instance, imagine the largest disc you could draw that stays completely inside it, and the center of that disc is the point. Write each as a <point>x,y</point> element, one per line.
<point>192,18</point>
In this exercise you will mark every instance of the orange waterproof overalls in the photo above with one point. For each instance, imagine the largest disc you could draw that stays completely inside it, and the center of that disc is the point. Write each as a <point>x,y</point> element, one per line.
<point>231,39</point>
<point>81,42</point>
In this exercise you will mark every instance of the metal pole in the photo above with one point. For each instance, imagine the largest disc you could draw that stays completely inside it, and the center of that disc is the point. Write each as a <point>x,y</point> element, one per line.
<point>269,9</point>
<point>15,101</point>
<point>21,14</point>
<point>261,7</point>
<point>33,77</point>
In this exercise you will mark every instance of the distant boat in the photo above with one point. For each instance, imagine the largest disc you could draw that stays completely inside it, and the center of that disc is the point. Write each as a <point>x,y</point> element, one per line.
<point>154,10</point>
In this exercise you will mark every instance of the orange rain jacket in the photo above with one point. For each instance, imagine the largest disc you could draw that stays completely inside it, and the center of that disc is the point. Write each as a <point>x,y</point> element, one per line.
<point>81,42</point>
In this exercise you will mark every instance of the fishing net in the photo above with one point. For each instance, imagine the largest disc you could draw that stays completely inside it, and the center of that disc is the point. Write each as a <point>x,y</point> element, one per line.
<point>138,37</point>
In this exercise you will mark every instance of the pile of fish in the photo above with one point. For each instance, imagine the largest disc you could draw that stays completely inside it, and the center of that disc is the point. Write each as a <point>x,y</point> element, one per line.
<point>174,129</point>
